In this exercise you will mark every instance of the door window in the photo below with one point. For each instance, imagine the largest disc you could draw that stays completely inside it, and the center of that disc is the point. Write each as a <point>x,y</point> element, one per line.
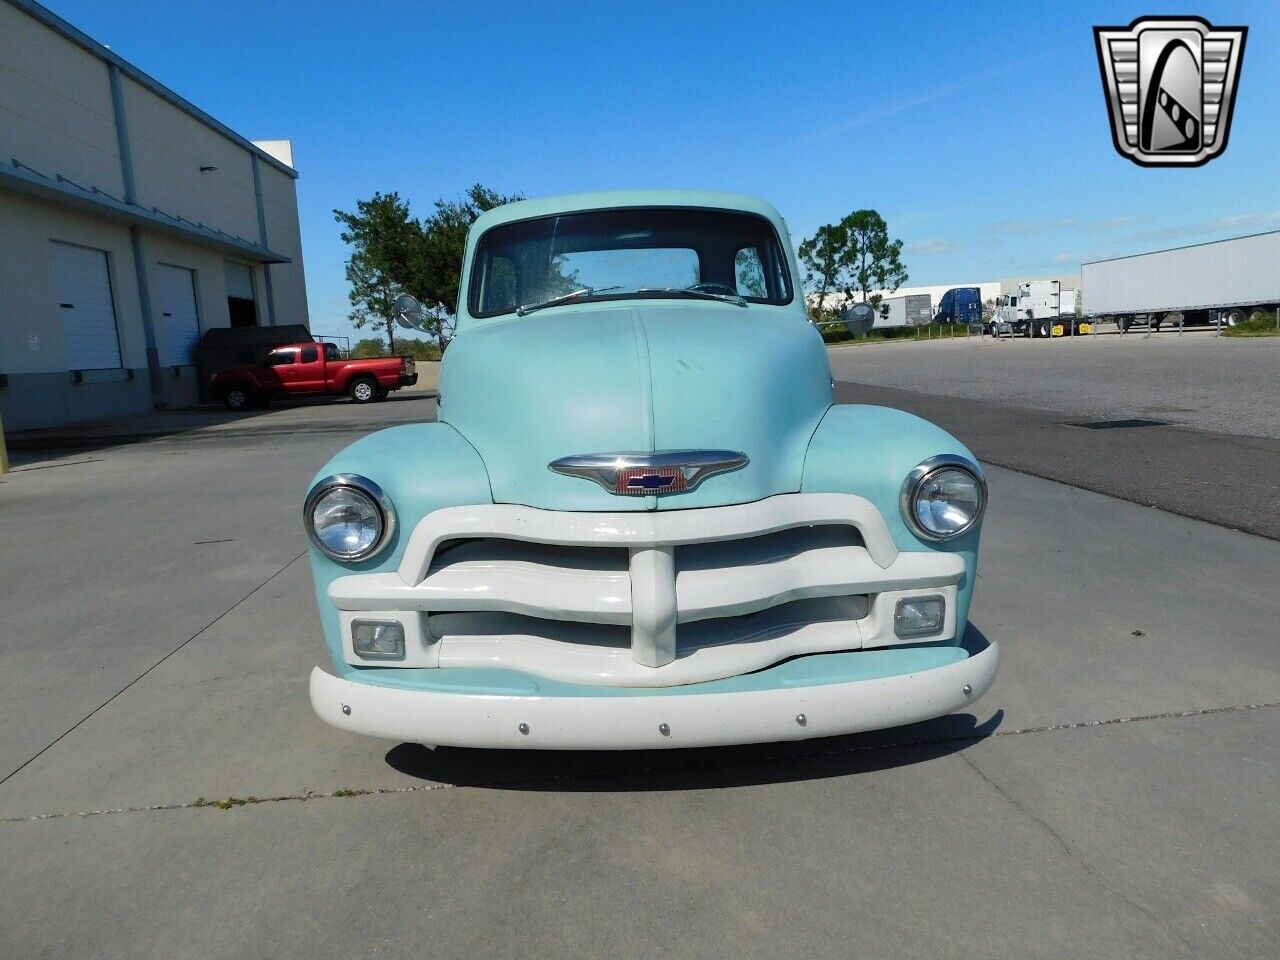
<point>310,354</point>
<point>749,273</point>
<point>280,358</point>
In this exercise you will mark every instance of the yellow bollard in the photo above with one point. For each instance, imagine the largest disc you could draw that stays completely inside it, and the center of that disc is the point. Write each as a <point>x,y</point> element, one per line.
<point>4,453</point>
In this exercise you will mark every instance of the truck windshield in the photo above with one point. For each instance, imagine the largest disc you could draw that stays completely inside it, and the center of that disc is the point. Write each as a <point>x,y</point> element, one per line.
<point>636,252</point>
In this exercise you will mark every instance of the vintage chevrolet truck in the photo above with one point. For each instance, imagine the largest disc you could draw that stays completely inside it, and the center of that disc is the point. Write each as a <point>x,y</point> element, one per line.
<point>640,520</point>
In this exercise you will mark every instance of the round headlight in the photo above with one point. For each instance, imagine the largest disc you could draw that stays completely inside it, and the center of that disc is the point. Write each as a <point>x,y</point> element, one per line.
<point>348,517</point>
<point>943,497</point>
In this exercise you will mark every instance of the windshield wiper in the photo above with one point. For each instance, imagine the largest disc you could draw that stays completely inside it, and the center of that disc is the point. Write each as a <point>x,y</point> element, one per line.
<point>733,298</point>
<point>527,308</point>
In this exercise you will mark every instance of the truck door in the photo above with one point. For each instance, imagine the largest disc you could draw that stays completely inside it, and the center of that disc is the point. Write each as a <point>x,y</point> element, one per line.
<point>280,371</point>
<point>310,370</point>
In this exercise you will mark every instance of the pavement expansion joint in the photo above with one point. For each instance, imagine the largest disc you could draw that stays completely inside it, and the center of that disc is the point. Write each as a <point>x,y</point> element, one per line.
<point>228,803</point>
<point>18,769</point>
<point>1094,874</point>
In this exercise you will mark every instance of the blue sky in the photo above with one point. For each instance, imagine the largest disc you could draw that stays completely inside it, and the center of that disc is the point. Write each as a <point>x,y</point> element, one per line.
<point>978,130</point>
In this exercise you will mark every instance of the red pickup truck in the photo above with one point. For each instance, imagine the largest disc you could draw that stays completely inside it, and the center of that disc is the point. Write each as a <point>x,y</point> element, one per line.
<point>307,368</point>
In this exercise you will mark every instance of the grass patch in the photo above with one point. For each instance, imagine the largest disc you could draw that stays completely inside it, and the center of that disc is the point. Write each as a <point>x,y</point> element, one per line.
<point>936,331</point>
<point>1258,325</point>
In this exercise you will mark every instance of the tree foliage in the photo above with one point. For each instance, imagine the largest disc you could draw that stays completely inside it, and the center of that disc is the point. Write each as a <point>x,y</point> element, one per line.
<point>395,253</point>
<point>405,347</point>
<point>854,254</point>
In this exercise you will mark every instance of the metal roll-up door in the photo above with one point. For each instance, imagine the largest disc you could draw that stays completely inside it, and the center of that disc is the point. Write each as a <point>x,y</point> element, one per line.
<point>177,287</point>
<point>82,291</point>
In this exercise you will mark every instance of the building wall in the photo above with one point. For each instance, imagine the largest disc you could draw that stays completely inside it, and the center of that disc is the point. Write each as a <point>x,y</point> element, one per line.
<point>55,106</point>
<point>288,282</point>
<point>169,147</point>
<point>57,117</point>
<point>41,389</point>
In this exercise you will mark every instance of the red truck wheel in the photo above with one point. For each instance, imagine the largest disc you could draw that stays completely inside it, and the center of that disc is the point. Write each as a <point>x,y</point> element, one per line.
<point>237,397</point>
<point>363,390</point>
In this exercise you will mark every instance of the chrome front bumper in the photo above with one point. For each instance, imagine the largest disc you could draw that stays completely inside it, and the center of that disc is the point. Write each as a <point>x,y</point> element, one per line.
<point>797,700</point>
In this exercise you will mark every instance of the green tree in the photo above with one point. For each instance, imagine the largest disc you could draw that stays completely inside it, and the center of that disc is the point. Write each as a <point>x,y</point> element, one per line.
<point>853,254</point>
<point>395,253</point>
<point>825,259</point>
<point>437,264</point>
<point>876,261</point>
<point>383,238</point>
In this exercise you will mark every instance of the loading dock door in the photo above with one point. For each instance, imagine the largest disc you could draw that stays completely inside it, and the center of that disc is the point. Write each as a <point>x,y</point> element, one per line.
<point>181,319</point>
<point>240,304</point>
<point>82,297</point>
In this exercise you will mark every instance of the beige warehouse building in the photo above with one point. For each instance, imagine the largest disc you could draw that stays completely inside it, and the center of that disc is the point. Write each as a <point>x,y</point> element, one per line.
<point>130,223</point>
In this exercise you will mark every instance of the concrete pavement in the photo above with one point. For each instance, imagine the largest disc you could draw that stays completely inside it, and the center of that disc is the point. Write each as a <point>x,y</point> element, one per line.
<point>157,628</point>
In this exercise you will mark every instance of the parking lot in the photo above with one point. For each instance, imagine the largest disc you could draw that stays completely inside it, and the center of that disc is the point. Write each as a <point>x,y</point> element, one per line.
<point>167,791</point>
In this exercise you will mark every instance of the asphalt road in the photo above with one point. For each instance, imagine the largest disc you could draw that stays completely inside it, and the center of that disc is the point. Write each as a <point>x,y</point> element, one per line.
<point>1197,381</point>
<point>1113,796</point>
<point>1085,411</point>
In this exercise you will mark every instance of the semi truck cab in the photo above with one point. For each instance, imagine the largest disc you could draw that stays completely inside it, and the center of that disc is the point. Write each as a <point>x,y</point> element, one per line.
<point>960,305</point>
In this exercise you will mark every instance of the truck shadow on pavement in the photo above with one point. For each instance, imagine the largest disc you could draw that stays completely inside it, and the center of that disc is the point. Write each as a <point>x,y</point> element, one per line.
<point>700,768</point>
<point>695,768</point>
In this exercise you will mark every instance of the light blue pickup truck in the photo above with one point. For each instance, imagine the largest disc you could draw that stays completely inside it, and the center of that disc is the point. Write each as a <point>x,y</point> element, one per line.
<point>641,520</point>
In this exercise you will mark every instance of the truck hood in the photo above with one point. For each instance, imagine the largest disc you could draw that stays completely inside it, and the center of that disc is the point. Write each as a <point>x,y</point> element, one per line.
<point>637,378</point>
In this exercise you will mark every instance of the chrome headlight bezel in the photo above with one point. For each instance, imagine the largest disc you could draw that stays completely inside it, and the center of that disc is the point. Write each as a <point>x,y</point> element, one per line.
<point>921,473</point>
<point>365,487</point>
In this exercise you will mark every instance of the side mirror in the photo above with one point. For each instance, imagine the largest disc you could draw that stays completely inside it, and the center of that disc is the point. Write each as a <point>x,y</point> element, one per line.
<point>857,318</point>
<point>407,312</point>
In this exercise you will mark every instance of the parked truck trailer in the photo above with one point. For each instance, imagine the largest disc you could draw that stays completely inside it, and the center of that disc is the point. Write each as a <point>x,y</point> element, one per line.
<point>1225,279</point>
<point>915,310</point>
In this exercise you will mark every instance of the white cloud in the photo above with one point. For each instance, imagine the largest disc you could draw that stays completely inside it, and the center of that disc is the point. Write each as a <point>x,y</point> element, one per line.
<point>1021,227</point>
<point>1235,223</point>
<point>1024,227</point>
<point>891,109</point>
<point>930,245</point>
<point>1112,223</point>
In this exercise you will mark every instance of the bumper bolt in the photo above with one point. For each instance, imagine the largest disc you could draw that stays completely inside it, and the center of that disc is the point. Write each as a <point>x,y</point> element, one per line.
<point>967,689</point>
<point>346,709</point>
<point>664,729</point>
<point>523,728</point>
<point>801,719</point>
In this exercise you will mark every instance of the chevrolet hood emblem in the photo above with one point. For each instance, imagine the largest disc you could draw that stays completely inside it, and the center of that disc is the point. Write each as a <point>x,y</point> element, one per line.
<point>647,474</point>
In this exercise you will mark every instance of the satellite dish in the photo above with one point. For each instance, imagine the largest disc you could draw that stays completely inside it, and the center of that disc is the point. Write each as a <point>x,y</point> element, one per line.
<point>407,312</point>
<point>857,318</point>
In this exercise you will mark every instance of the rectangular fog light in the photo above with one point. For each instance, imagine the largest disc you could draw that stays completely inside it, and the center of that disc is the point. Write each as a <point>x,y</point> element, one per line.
<point>919,616</point>
<point>378,639</point>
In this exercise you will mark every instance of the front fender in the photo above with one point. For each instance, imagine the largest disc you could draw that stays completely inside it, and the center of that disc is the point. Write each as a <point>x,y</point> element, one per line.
<point>869,451</point>
<point>421,467</point>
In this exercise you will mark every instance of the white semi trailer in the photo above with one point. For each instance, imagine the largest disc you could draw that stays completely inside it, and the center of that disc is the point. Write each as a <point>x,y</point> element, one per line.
<point>915,310</point>
<point>1225,281</point>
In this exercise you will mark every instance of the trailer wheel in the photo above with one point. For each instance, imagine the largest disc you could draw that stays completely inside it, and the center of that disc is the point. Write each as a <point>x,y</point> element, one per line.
<point>1233,317</point>
<point>1123,324</point>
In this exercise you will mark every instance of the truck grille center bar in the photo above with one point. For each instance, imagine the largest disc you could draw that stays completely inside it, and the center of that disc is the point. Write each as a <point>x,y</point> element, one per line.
<point>647,598</point>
